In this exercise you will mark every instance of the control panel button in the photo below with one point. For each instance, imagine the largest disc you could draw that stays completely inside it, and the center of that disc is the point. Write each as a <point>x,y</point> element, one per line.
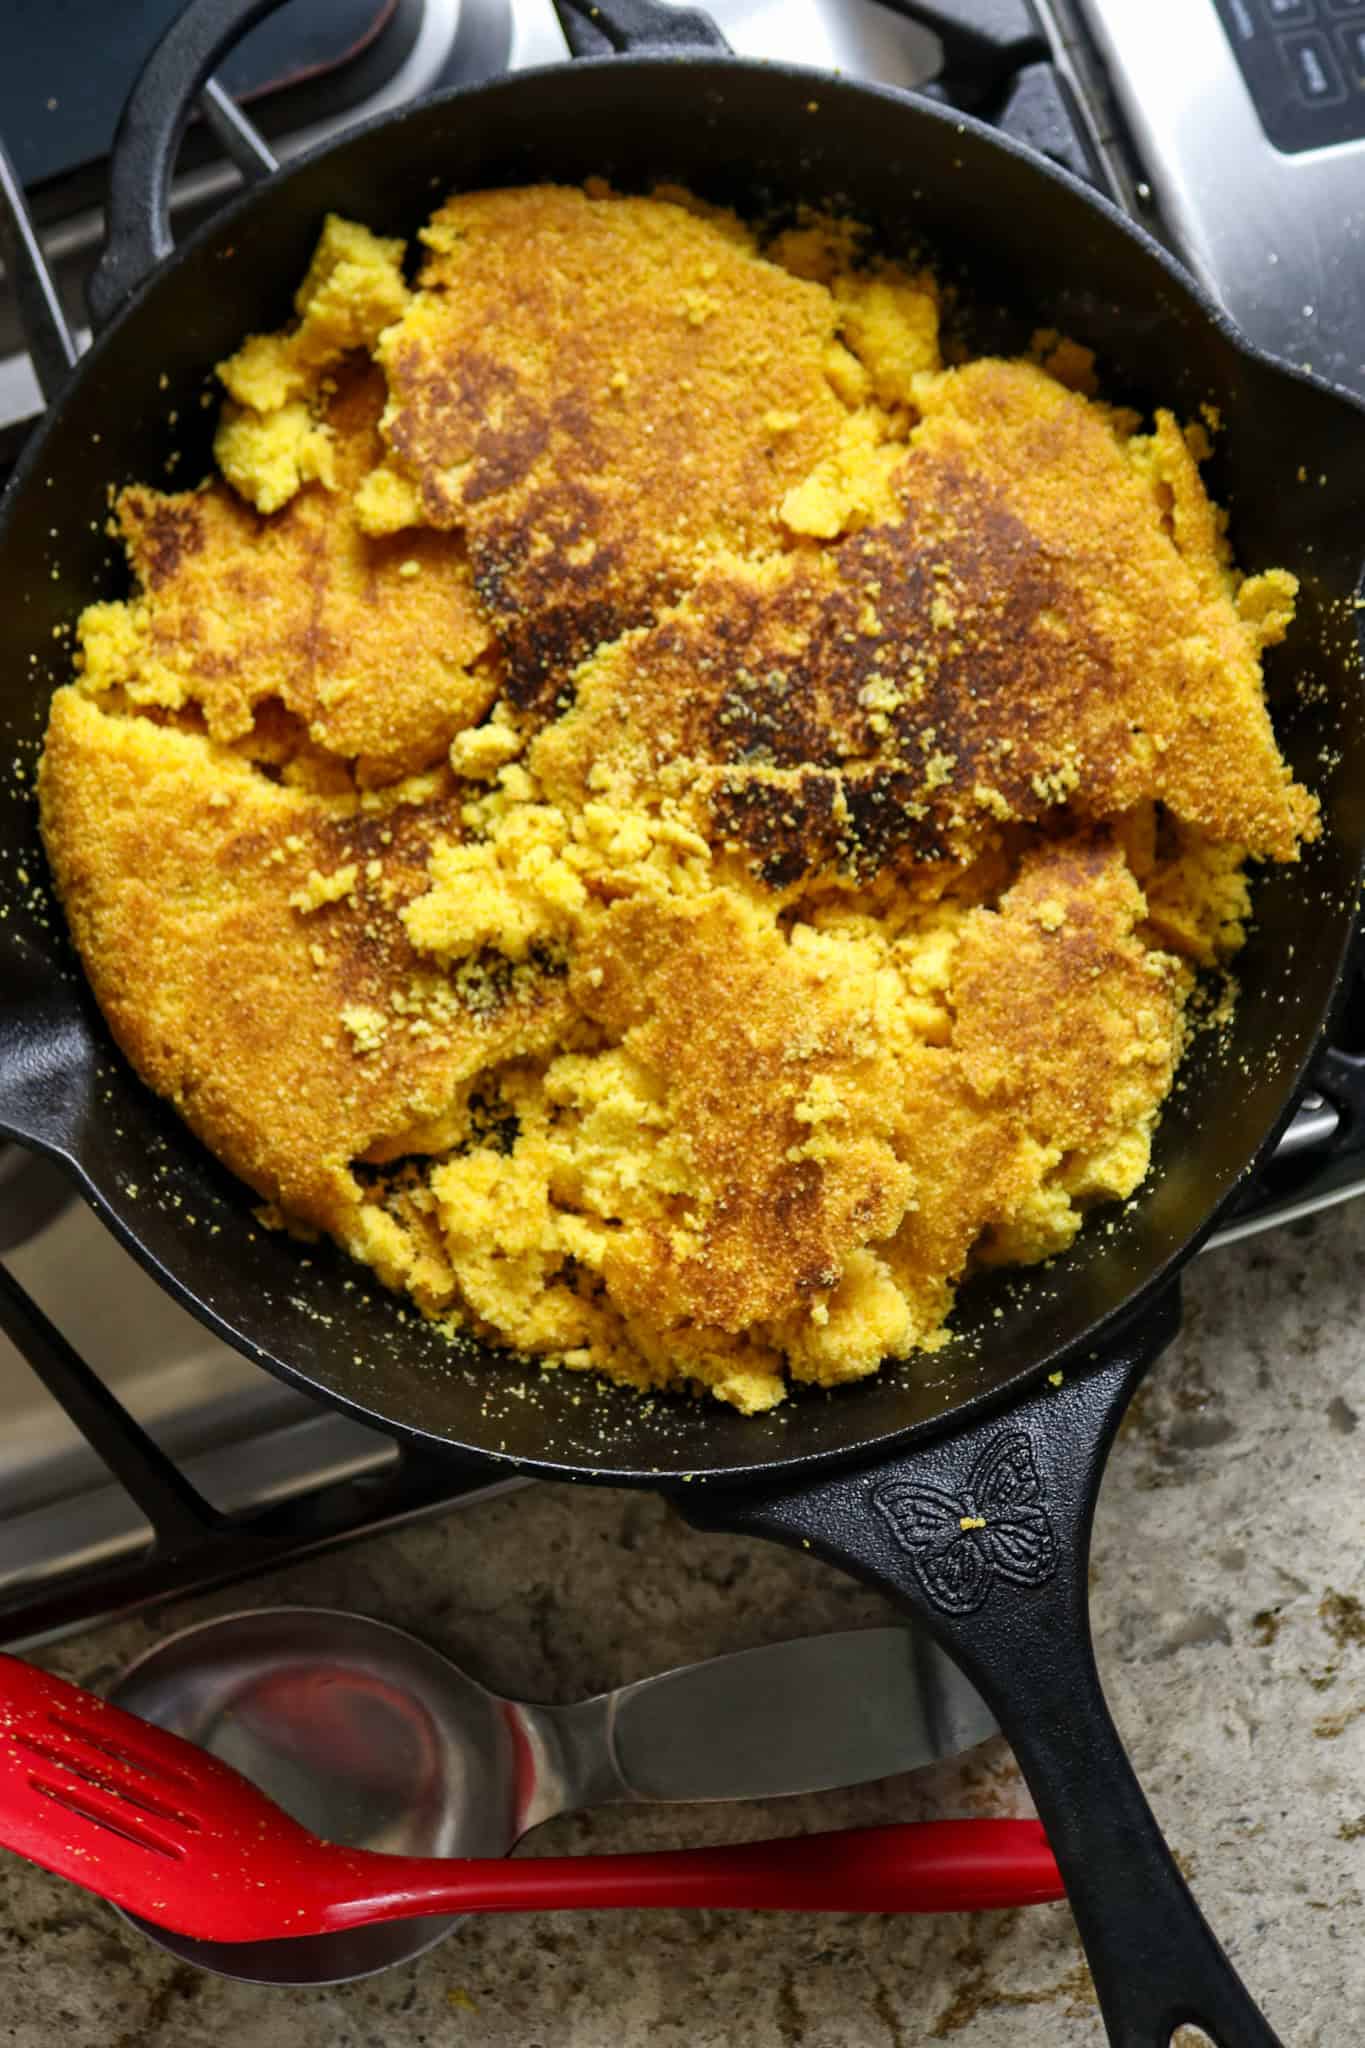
<point>1352,45</point>
<point>1314,70</point>
<point>1307,83</point>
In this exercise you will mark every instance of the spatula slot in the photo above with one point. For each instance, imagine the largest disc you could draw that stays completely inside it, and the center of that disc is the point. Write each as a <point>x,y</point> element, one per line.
<point>136,1760</point>
<point>106,1781</point>
<point>124,1824</point>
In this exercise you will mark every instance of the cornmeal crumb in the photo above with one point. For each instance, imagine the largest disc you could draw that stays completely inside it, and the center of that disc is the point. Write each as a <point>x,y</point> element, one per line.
<point>268,457</point>
<point>481,752</point>
<point>368,1027</point>
<point>319,890</point>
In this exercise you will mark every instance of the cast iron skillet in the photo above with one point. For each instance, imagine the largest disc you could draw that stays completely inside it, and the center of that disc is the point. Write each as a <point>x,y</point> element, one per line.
<point>1013,1422</point>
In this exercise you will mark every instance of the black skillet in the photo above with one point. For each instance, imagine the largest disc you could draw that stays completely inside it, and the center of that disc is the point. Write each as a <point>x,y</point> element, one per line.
<point>1013,1422</point>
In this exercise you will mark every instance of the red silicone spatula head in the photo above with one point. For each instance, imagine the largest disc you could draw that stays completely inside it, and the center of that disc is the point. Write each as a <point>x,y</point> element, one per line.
<point>143,1818</point>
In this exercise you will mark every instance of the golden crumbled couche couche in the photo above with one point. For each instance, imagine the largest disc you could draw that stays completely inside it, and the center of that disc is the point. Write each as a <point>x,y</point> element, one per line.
<point>665,815</point>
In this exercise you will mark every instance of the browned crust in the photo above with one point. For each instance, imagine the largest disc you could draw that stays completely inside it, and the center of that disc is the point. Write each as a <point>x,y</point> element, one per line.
<point>176,864</point>
<point>1024,637</point>
<point>382,664</point>
<point>584,393</point>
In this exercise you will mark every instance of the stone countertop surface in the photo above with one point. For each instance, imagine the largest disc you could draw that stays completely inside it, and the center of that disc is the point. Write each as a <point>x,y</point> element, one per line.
<point>1229,1559</point>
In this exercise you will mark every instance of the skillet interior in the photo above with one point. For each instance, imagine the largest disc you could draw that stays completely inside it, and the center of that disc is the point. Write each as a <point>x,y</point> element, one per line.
<point>754,136</point>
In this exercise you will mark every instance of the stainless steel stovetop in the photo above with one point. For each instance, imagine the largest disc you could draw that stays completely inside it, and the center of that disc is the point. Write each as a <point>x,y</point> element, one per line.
<point>1235,128</point>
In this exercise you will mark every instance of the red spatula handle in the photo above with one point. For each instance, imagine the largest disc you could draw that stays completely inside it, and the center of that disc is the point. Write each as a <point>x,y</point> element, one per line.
<point>921,1867</point>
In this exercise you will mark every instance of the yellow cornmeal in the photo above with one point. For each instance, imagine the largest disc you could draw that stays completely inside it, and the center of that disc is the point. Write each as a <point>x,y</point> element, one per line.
<point>668,820</point>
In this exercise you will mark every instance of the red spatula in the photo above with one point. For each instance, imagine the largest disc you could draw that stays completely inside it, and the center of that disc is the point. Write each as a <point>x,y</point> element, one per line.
<point>169,1833</point>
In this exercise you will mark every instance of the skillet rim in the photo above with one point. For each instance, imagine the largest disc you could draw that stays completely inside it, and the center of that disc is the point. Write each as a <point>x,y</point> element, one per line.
<point>1099,1339</point>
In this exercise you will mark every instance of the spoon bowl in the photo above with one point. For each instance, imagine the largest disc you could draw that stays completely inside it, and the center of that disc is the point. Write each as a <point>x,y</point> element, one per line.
<point>359,1731</point>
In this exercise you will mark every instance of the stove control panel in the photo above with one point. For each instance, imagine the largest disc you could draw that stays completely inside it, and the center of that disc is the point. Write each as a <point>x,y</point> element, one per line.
<point>1304,65</point>
<point>1246,124</point>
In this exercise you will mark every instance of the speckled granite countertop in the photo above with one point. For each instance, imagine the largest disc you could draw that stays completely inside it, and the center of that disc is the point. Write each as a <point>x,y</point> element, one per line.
<point>1230,1551</point>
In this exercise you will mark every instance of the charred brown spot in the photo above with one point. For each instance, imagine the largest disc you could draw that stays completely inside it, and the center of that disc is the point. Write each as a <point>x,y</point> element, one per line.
<point>887,816</point>
<point>168,530</point>
<point>559,586</point>
<point>502,458</point>
<point>796,1192</point>
<point>854,820</point>
<point>790,826</point>
<point>944,635</point>
<point>472,411</point>
<point>928,689</point>
<point>399,838</point>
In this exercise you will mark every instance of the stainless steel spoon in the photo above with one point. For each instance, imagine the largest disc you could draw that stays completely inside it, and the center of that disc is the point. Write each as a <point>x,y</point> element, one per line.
<point>371,1738</point>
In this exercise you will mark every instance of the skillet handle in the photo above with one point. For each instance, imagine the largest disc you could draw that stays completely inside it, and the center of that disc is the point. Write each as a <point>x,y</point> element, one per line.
<point>986,1535</point>
<point>600,28</point>
<point>152,125</point>
<point>47,1055</point>
<point>147,142</point>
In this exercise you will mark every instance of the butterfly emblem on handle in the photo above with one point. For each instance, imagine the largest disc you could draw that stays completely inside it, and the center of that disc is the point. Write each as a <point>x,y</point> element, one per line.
<point>960,1543</point>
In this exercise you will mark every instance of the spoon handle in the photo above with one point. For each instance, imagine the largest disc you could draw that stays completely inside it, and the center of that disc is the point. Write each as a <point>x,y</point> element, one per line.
<point>915,1867</point>
<point>792,1717</point>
